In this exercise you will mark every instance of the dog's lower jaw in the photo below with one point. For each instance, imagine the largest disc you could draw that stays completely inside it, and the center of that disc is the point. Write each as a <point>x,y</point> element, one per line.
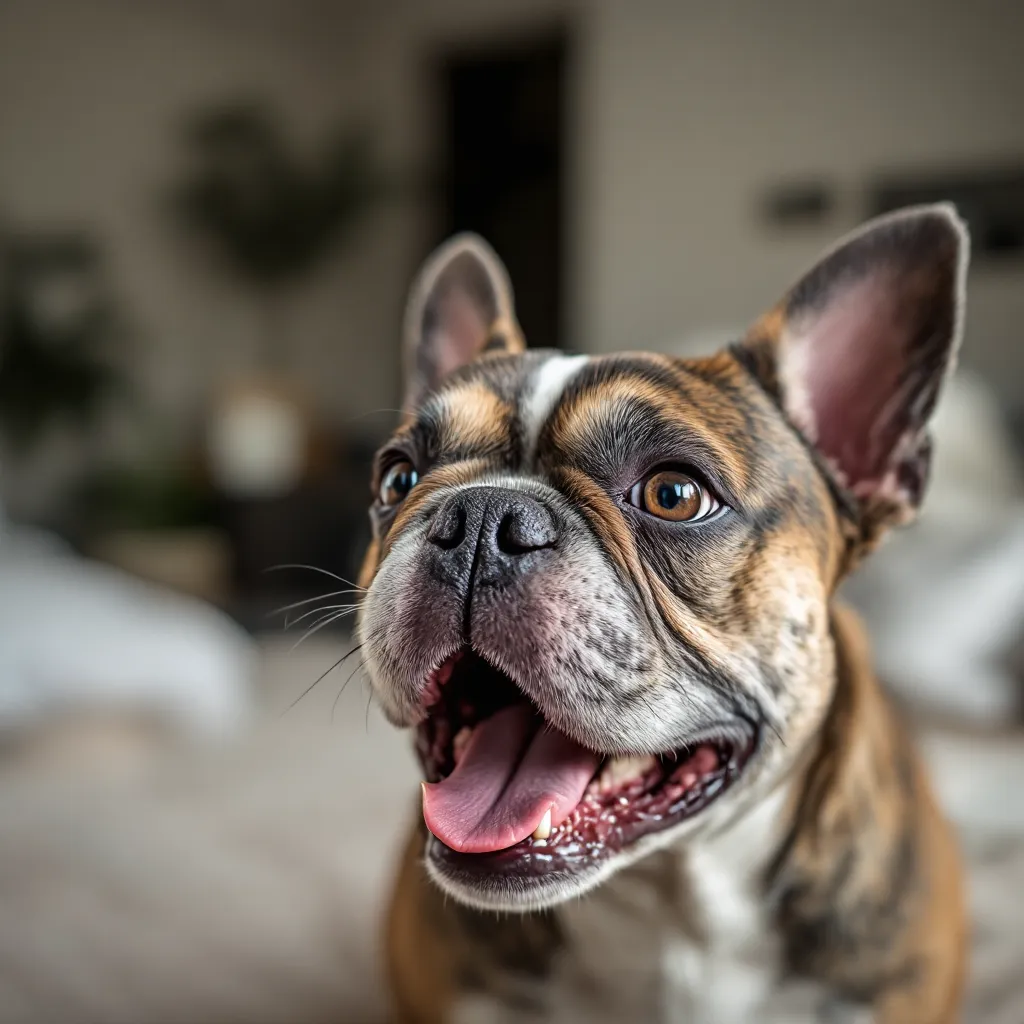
<point>536,876</point>
<point>476,886</point>
<point>680,935</point>
<point>846,877</point>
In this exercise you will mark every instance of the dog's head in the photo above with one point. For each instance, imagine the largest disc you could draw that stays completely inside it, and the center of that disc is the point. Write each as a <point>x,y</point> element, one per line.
<point>599,587</point>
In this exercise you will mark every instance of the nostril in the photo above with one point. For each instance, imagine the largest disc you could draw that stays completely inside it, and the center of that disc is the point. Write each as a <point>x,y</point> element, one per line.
<point>448,530</point>
<point>523,530</point>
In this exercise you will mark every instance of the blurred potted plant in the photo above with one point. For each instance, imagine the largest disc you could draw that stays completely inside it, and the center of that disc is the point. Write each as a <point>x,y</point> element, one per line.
<point>156,518</point>
<point>61,340</point>
<point>60,336</point>
<point>270,217</point>
<point>58,333</point>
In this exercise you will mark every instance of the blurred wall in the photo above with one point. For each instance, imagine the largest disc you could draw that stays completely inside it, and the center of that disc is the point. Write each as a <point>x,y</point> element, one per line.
<point>93,94</point>
<point>684,113</point>
<point>694,108</point>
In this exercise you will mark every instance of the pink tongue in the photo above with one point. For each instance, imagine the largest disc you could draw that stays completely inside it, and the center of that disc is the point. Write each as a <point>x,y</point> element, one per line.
<point>510,774</point>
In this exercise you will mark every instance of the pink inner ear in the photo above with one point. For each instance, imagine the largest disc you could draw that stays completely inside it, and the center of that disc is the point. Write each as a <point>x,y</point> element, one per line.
<point>847,372</point>
<point>461,332</point>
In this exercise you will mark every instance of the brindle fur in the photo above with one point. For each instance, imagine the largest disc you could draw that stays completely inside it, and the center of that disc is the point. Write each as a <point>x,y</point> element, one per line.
<point>865,886</point>
<point>861,882</point>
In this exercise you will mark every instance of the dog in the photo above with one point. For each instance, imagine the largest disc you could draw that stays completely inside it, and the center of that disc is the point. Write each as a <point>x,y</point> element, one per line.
<point>661,776</point>
<point>947,602</point>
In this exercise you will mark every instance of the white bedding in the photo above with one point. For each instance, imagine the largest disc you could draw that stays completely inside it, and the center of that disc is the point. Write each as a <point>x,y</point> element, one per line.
<point>245,882</point>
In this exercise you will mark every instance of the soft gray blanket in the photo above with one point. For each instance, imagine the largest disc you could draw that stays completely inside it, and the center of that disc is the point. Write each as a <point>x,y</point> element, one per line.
<point>244,882</point>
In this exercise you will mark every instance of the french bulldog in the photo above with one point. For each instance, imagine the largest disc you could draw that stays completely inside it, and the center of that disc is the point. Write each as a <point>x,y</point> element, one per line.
<point>661,778</point>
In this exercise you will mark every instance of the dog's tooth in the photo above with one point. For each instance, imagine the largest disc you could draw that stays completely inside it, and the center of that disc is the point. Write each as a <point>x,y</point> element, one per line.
<point>624,769</point>
<point>543,830</point>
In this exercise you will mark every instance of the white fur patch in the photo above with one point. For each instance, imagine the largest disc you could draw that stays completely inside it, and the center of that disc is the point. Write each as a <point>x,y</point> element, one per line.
<point>724,977</point>
<point>548,385</point>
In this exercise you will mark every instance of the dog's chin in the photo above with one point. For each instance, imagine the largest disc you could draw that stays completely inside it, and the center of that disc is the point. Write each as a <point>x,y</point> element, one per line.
<point>511,882</point>
<point>631,806</point>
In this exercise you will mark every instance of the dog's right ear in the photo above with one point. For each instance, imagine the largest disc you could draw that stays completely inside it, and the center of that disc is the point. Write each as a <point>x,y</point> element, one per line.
<point>460,308</point>
<point>857,352</point>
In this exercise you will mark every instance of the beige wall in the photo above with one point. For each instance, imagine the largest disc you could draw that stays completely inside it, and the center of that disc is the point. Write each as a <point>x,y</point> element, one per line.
<point>92,94</point>
<point>695,108</point>
<point>683,113</point>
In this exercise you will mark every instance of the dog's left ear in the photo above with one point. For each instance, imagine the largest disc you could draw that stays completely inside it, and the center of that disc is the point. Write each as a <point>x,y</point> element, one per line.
<point>857,351</point>
<point>460,308</point>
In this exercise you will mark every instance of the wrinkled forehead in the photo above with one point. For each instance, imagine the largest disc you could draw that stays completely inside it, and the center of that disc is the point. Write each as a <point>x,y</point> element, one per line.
<point>524,411</point>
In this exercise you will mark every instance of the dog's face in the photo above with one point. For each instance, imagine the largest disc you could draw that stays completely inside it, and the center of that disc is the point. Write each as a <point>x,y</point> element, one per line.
<point>599,586</point>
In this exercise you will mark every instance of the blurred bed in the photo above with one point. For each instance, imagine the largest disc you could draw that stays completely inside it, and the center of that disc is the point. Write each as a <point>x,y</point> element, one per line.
<point>244,881</point>
<point>233,868</point>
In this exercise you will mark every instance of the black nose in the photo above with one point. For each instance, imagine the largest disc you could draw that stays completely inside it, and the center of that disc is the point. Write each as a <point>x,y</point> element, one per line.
<point>496,524</point>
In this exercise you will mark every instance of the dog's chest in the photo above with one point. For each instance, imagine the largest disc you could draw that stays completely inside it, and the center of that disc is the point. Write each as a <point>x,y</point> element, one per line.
<point>678,938</point>
<point>691,949</point>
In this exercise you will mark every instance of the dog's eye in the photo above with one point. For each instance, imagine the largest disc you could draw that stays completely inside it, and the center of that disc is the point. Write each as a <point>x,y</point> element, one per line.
<point>672,495</point>
<point>398,481</point>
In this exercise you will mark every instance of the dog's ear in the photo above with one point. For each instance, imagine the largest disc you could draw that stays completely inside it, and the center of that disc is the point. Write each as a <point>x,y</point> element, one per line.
<point>857,351</point>
<point>460,308</point>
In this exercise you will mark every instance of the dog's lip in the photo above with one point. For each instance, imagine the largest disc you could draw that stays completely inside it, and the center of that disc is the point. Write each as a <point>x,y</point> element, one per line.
<point>430,691</point>
<point>740,729</point>
<point>523,875</point>
<point>664,799</point>
<point>430,695</point>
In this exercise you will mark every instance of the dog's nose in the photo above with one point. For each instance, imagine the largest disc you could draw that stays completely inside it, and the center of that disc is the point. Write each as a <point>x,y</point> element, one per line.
<point>501,523</point>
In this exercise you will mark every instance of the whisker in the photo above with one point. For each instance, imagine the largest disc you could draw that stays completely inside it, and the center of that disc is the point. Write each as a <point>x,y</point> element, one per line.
<point>331,616</point>
<point>310,600</point>
<point>323,608</point>
<point>372,412</point>
<point>319,678</point>
<point>344,687</point>
<point>775,729</point>
<point>320,624</point>
<point>314,568</point>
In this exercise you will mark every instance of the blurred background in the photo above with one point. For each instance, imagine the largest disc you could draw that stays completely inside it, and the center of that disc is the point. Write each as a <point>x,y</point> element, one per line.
<point>210,213</point>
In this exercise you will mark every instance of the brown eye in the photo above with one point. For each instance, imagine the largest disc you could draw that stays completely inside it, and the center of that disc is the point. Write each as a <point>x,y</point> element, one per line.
<point>674,496</point>
<point>398,481</point>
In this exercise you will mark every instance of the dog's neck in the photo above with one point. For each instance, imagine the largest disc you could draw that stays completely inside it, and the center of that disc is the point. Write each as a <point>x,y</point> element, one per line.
<point>824,828</point>
<point>778,891</point>
<point>707,927</point>
<point>859,816</point>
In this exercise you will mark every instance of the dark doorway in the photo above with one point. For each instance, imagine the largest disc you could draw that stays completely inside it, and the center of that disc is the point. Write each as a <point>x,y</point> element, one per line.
<point>503,167</point>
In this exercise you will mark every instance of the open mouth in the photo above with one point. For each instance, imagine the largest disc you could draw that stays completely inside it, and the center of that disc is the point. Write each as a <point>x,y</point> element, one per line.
<point>509,793</point>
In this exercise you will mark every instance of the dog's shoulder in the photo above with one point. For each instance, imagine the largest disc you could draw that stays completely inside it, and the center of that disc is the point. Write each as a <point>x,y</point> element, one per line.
<point>847,877</point>
<point>866,886</point>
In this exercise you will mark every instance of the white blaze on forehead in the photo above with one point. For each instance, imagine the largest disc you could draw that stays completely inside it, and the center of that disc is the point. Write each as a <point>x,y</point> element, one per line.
<point>548,384</point>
